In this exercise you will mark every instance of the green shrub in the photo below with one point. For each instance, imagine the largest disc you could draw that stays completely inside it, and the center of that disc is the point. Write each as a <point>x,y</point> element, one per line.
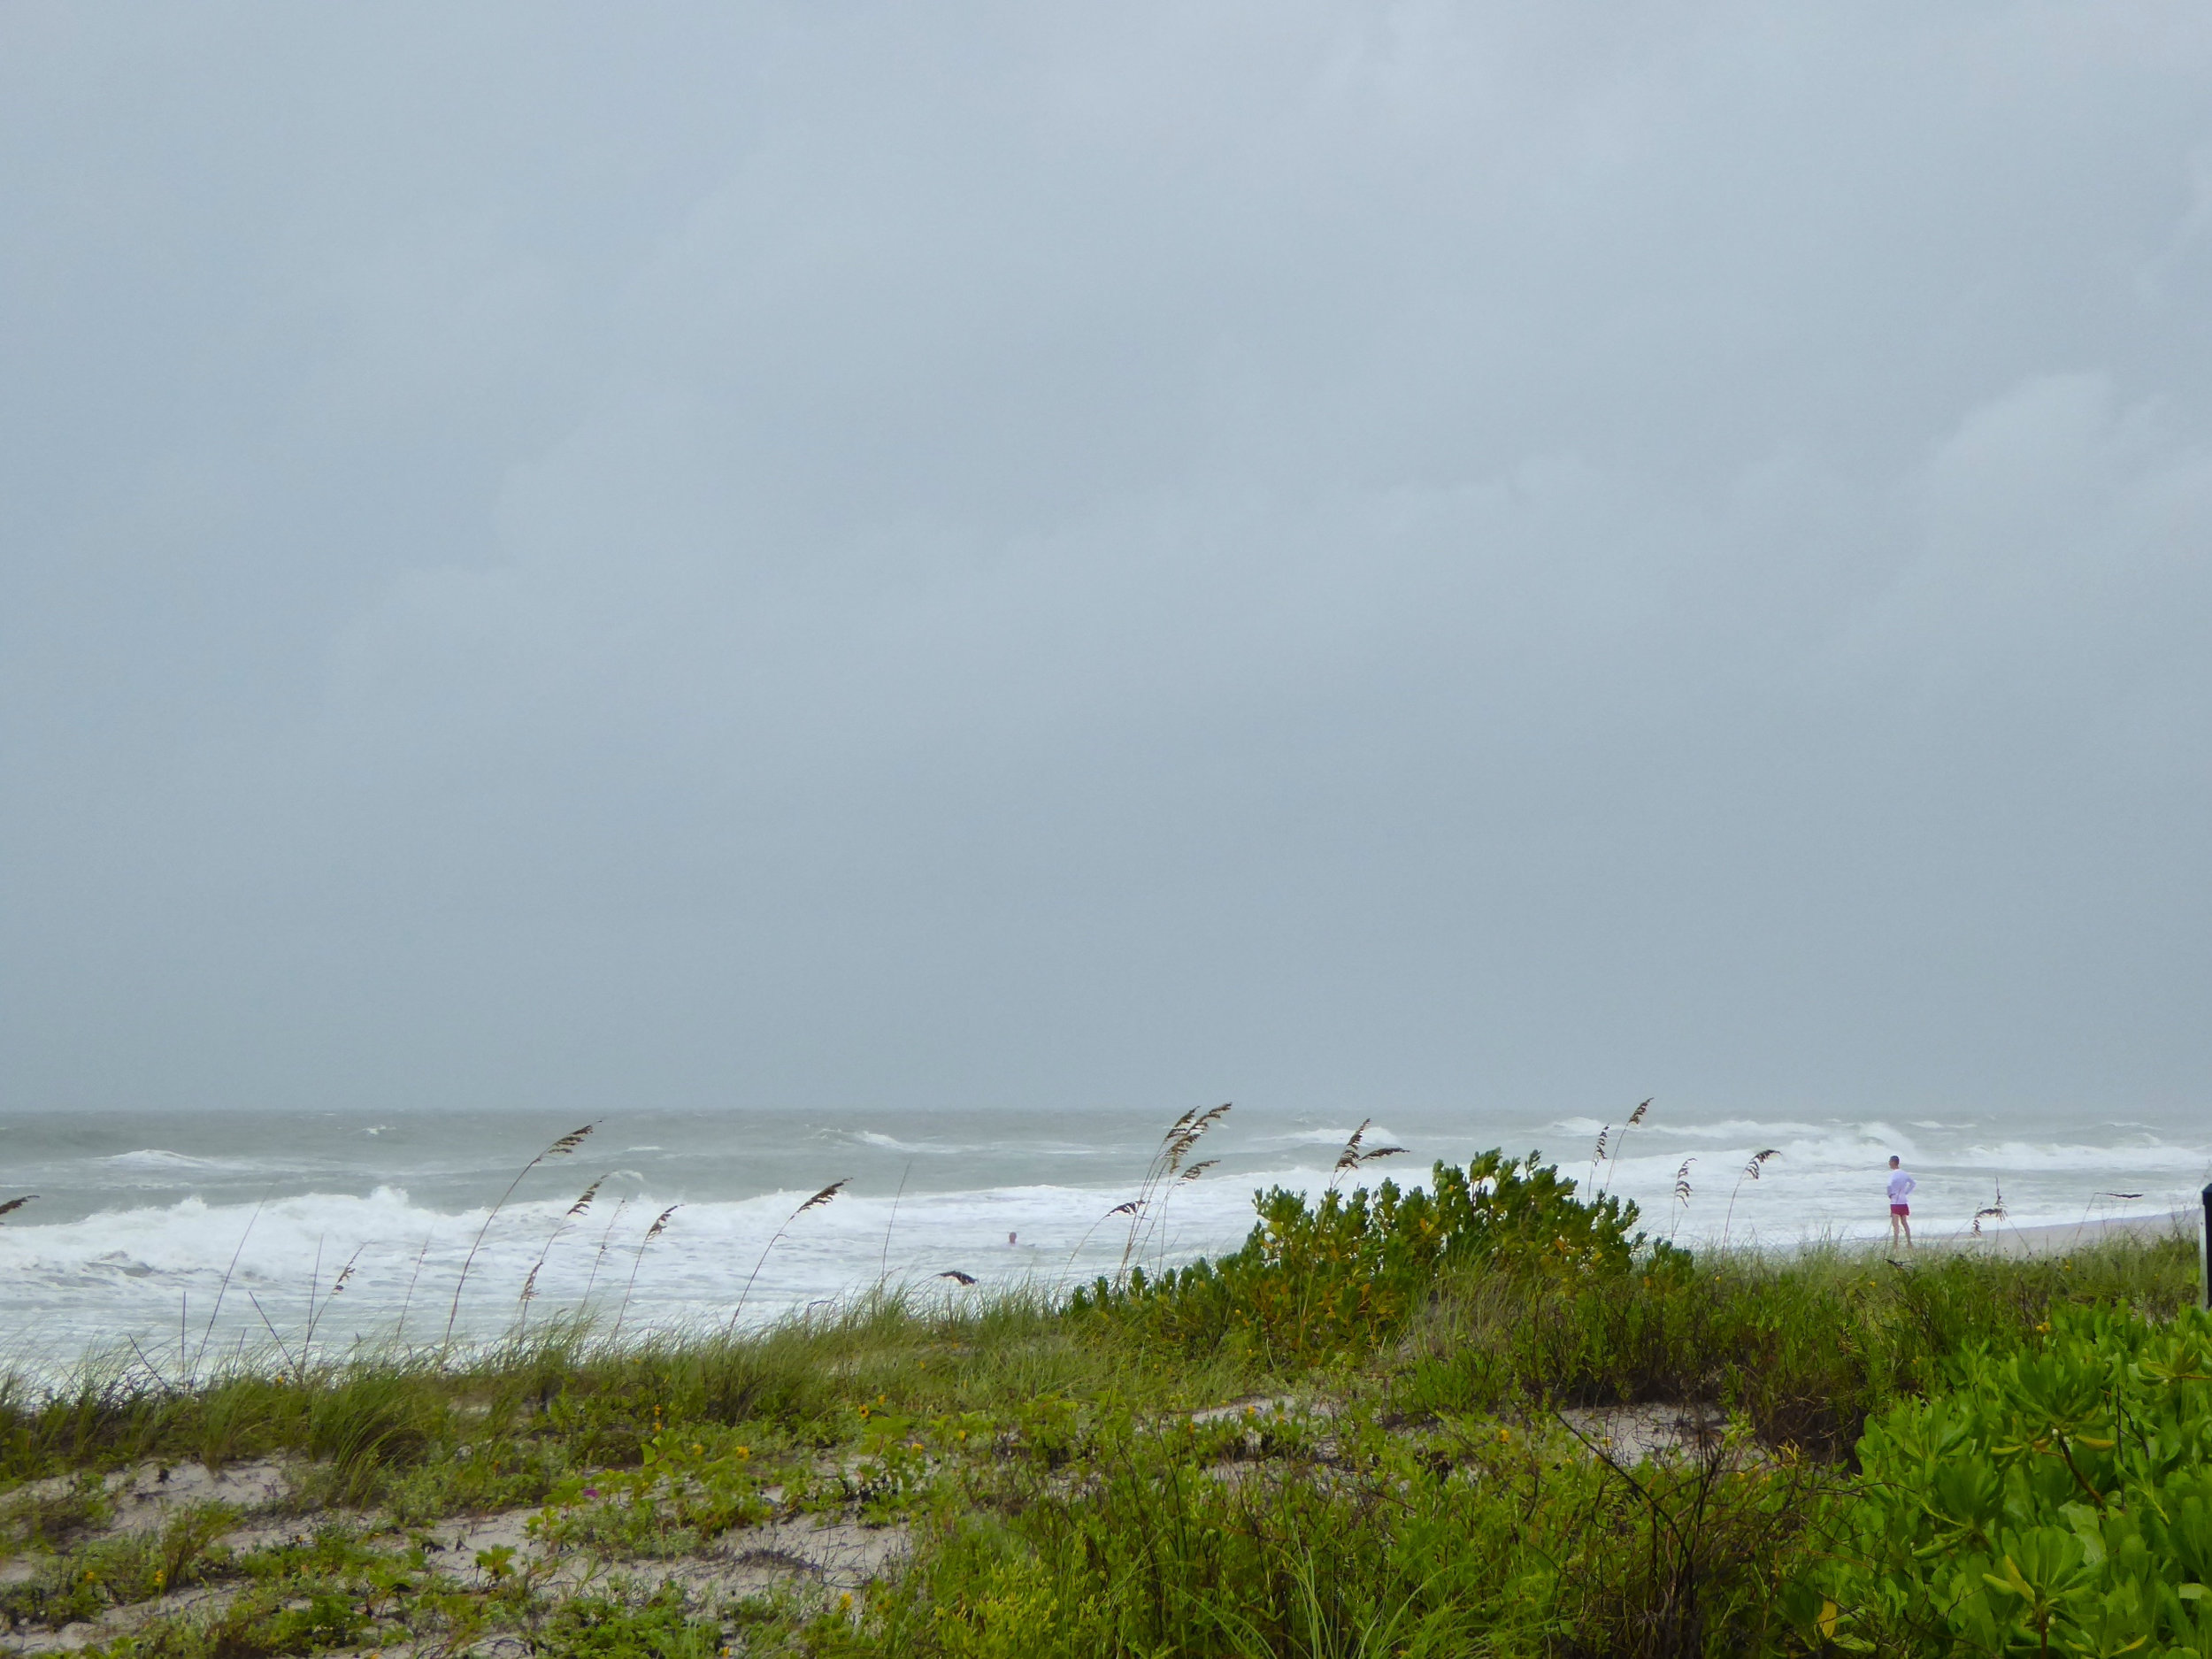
<point>2059,1498</point>
<point>1340,1276</point>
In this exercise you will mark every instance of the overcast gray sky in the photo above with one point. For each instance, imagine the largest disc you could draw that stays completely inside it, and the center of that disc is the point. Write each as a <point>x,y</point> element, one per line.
<point>1328,555</point>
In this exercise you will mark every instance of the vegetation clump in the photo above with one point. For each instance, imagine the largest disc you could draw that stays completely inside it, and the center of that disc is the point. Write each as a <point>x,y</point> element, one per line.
<point>2056,1497</point>
<point>1341,1275</point>
<point>1486,1416</point>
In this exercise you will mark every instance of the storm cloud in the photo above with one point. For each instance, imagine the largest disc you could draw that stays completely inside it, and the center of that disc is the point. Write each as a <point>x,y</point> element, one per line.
<point>1324,554</point>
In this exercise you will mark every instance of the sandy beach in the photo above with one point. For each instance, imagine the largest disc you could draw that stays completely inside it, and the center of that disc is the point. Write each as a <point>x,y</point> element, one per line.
<point>2004,1240</point>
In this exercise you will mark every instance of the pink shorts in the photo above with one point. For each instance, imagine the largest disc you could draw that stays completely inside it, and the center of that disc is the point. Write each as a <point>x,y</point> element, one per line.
<point>1901,1210</point>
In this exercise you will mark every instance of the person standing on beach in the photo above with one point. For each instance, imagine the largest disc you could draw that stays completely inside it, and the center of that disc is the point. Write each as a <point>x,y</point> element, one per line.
<point>1901,1185</point>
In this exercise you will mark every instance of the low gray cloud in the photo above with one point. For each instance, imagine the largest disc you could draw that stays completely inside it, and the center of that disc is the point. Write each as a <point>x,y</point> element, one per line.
<point>1326,554</point>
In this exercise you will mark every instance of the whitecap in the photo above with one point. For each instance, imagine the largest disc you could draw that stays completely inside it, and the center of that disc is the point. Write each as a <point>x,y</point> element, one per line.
<point>870,1138</point>
<point>160,1158</point>
<point>1376,1135</point>
<point>2021,1155</point>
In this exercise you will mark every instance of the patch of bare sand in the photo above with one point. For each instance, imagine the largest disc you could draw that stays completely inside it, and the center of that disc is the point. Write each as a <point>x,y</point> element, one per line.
<point>1257,1408</point>
<point>142,1498</point>
<point>2003,1239</point>
<point>118,1621</point>
<point>1635,1434</point>
<point>835,1553</point>
<point>825,1555</point>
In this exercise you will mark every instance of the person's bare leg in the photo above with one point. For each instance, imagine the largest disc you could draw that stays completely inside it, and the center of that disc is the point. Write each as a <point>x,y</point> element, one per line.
<point>1906,1222</point>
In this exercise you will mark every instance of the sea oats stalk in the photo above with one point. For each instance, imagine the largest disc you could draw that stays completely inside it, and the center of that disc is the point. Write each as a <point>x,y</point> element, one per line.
<point>314,1280</point>
<point>1159,1218</point>
<point>298,1371</point>
<point>1681,1194</point>
<point>1174,1146</point>
<point>560,1148</point>
<point>1183,1136</point>
<point>599,1255</point>
<point>400,1334</point>
<point>652,1232</point>
<point>1994,1210</point>
<point>1634,1117</point>
<point>1128,1207</point>
<point>152,1369</point>
<point>530,1283</point>
<point>314,1317</point>
<point>883,1268</point>
<point>2090,1208</point>
<point>1356,1153</point>
<point>815,1202</point>
<point>1171,1146</point>
<point>1750,1173</point>
<point>223,1288</point>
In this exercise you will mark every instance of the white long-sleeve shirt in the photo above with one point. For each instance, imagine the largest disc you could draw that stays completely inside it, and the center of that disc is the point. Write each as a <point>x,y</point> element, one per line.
<point>1901,1185</point>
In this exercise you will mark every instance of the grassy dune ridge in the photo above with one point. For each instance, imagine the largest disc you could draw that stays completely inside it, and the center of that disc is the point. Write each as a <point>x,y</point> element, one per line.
<point>1396,1421</point>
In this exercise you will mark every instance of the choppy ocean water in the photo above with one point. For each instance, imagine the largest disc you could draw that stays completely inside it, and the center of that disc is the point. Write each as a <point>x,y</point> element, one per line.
<point>141,1219</point>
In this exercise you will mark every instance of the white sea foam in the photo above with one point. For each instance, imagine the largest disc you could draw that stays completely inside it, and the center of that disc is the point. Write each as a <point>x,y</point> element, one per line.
<point>871,1138</point>
<point>1720,1129</point>
<point>2140,1155</point>
<point>156,1267</point>
<point>1029,1148</point>
<point>159,1159</point>
<point>1333,1139</point>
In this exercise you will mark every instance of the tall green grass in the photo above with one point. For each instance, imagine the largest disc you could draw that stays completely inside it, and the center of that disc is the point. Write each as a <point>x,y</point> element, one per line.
<point>1805,1346</point>
<point>394,1409</point>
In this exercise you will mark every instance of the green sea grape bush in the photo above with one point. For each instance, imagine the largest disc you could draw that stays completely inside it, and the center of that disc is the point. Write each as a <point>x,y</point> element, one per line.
<point>2057,1500</point>
<point>1341,1275</point>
